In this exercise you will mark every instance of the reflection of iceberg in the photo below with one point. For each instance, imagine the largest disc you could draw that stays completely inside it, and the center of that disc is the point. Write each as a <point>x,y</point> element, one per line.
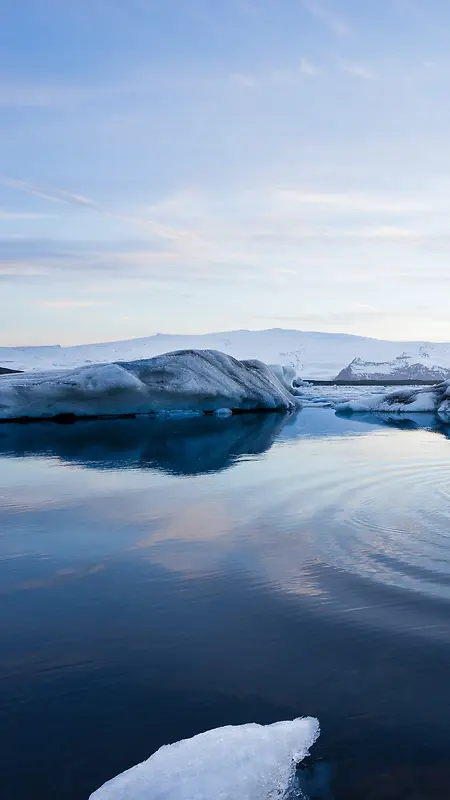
<point>245,762</point>
<point>404,421</point>
<point>177,445</point>
<point>411,401</point>
<point>198,380</point>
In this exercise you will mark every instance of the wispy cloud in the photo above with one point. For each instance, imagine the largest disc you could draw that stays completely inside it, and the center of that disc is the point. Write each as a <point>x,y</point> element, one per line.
<point>364,202</point>
<point>277,75</point>
<point>54,195</point>
<point>14,269</point>
<point>308,68</point>
<point>10,216</point>
<point>354,321</point>
<point>357,70</point>
<point>243,79</point>
<point>69,304</point>
<point>39,261</point>
<point>57,195</point>
<point>391,233</point>
<point>327,17</point>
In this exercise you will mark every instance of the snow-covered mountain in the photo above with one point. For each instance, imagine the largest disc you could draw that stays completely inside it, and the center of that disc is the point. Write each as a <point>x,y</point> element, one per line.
<point>313,355</point>
<point>404,367</point>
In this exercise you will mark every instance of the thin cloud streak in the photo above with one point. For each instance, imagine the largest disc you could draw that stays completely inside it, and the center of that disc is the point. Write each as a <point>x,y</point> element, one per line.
<point>71,304</point>
<point>357,71</point>
<point>10,216</point>
<point>63,196</point>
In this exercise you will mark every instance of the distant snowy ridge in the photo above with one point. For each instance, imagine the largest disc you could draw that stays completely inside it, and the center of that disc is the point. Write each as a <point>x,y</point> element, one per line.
<point>403,367</point>
<point>244,762</point>
<point>185,380</point>
<point>311,354</point>
<point>434,399</point>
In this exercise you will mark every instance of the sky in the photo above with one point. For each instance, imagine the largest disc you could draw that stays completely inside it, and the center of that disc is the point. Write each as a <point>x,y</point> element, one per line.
<point>193,165</point>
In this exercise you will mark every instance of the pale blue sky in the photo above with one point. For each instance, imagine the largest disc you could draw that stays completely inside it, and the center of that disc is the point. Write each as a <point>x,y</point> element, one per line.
<point>195,165</point>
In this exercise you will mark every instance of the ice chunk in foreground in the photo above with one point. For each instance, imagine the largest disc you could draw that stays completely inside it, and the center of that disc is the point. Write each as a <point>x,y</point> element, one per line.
<point>424,399</point>
<point>246,762</point>
<point>199,380</point>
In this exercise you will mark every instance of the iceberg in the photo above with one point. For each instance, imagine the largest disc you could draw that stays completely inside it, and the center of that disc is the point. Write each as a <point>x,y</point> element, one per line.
<point>249,762</point>
<point>411,401</point>
<point>184,380</point>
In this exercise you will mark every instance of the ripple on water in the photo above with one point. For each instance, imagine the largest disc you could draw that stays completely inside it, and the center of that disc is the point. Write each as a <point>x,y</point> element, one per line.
<point>382,514</point>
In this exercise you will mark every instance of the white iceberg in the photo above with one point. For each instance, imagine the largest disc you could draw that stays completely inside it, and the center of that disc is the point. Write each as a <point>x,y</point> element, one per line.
<point>185,380</point>
<point>245,762</point>
<point>425,399</point>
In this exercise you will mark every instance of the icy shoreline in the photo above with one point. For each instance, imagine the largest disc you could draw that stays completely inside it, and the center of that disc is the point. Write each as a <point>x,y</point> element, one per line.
<point>193,381</point>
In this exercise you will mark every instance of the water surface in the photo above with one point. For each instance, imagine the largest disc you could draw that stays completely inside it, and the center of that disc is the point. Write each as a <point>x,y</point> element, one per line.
<point>158,578</point>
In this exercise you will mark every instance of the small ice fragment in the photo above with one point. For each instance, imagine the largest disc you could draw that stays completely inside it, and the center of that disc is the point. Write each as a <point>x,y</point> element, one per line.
<point>223,412</point>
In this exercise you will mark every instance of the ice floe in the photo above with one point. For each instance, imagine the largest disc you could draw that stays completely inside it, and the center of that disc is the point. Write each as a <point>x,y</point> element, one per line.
<point>404,400</point>
<point>245,762</point>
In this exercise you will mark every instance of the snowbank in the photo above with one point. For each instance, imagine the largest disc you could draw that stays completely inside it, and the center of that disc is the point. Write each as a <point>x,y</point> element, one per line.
<point>425,399</point>
<point>249,762</point>
<point>195,380</point>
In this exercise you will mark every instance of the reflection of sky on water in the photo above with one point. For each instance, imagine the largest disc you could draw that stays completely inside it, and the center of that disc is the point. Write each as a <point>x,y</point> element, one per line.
<point>332,493</point>
<point>305,573</point>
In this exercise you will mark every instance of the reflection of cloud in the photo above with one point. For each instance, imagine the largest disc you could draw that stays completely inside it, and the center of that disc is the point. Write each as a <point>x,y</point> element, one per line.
<point>31,500</point>
<point>180,542</point>
<point>199,535</point>
<point>59,577</point>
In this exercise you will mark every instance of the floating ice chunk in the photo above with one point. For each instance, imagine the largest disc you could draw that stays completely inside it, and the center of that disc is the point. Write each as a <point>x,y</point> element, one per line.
<point>246,762</point>
<point>409,401</point>
<point>223,412</point>
<point>198,380</point>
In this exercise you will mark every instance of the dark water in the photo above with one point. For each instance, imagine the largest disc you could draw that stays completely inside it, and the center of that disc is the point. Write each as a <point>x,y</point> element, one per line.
<point>161,578</point>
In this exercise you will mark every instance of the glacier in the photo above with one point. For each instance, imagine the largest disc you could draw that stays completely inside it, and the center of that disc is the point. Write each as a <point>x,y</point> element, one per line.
<point>184,380</point>
<point>404,400</point>
<point>249,762</point>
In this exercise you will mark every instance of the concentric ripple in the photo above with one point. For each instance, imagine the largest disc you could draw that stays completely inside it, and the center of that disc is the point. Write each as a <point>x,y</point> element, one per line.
<point>378,507</point>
